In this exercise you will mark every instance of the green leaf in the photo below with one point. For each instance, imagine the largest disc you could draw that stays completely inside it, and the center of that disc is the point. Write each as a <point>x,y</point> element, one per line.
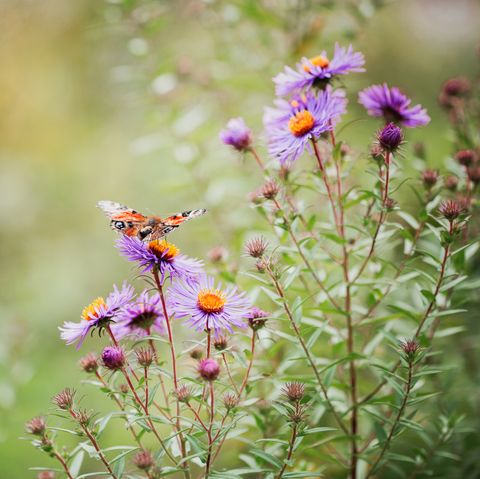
<point>265,456</point>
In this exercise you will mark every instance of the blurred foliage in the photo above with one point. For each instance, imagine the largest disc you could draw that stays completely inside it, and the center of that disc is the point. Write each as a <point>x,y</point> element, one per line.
<point>123,100</point>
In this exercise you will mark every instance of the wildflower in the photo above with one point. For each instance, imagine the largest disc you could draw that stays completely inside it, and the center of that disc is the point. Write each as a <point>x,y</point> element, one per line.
<point>292,124</point>
<point>144,460</point>
<point>237,134</point>
<point>473,173</point>
<point>159,254</point>
<point>97,315</point>
<point>64,399</point>
<point>390,137</point>
<point>294,391</point>
<point>257,318</point>
<point>113,357</point>
<point>466,157</point>
<point>393,105</point>
<point>230,401</point>
<point>451,182</point>
<point>183,393</point>
<point>256,247</point>
<point>36,426</point>
<point>220,343</point>
<point>89,363</point>
<point>430,178</point>
<point>410,347</point>
<point>208,369</point>
<point>145,356</point>
<point>208,307</point>
<point>450,209</point>
<point>269,190</point>
<point>141,317</point>
<point>319,71</point>
<point>454,91</point>
<point>217,254</point>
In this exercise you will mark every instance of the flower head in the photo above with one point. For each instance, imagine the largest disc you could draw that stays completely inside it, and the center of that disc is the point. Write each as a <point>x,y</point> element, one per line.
<point>454,91</point>
<point>410,347</point>
<point>269,190</point>
<point>430,178</point>
<point>390,137</point>
<point>208,369</point>
<point>208,306</point>
<point>113,357</point>
<point>451,182</point>
<point>292,124</point>
<point>257,318</point>
<point>294,391</point>
<point>466,157</point>
<point>183,393</point>
<point>64,399</point>
<point>89,363</point>
<point>256,247</point>
<point>141,317</point>
<point>230,401</point>
<point>98,314</point>
<point>237,134</point>
<point>145,356</point>
<point>319,71</point>
<point>159,254</point>
<point>393,106</point>
<point>36,426</point>
<point>144,460</point>
<point>451,209</point>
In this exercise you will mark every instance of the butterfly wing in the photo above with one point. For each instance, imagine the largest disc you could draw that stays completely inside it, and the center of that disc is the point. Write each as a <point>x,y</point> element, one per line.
<point>122,218</point>
<point>167,225</point>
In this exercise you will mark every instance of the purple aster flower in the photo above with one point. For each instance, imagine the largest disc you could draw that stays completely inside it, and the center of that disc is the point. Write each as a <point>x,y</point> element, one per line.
<point>141,317</point>
<point>161,254</point>
<point>237,134</point>
<point>113,357</point>
<point>390,137</point>
<point>98,314</point>
<point>393,106</point>
<point>207,306</point>
<point>208,369</point>
<point>292,124</point>
<point>319,71</point>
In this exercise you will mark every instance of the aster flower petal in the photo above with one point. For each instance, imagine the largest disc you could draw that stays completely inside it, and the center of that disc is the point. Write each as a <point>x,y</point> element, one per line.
<point>169,262</point>
<point>393,105</point>
<point>222,310</point>
<point>237,134</point>
<point>309,73</point>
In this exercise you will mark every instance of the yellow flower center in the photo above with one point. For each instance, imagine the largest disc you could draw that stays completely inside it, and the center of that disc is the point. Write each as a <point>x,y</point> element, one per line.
<point>163,249</point>
<point>90,312</point>
<point>211,300</point>
<point>319,61</point>
<point>301,123</point>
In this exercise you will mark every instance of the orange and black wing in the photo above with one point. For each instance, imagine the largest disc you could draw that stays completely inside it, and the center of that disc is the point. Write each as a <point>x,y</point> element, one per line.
<point>122,218</point>
<point>167,225</point>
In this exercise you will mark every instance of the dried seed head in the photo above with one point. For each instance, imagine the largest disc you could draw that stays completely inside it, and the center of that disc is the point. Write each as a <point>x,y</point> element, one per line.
<point>450,209</point>
<point>145,356</point>
<point>217,254</point>
<point>183,393</point>
<point>257,318</point>
<point>294,391</point>
<point>89,363</point>
<point>473,173</point>
<point>390,137</point>
<point>64,399</point>
<point>230,401</point>
<point>256,247</point>
<point>46,475</point>
<point>208,369</point>
<point>36,426</point>
<point>144,460</point>
<point>466,157</point>
<point>269,190</point>
<point>196,353</point>
<point>430,178</point>
<point>451,182</point>
<point>113,357</point>
<point>220,343</point>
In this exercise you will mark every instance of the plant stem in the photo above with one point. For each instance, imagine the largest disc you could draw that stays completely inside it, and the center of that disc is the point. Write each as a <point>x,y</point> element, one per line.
<point>210,442</point>
<point>247,374</point>
<point>61,460</point>
<point>290,450</point>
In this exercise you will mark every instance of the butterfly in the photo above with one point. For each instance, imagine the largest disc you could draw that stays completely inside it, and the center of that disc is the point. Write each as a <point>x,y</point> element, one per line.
<point>146,228</point>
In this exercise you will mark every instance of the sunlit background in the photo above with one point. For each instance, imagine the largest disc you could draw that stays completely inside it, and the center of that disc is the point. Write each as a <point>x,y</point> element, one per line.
<point>123,100</point>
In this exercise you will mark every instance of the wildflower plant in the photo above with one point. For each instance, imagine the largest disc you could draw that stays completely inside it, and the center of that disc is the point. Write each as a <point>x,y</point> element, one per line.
<point>360,280</point>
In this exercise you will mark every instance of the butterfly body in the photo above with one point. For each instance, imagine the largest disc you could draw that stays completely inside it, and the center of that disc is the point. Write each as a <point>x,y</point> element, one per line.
<point>129,222</point>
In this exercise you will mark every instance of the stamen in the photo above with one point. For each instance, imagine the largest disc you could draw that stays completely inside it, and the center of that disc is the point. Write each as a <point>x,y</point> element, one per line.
<point>90,312</point>
<point>301,123</point>
<point>319,61</point>
<point>163,249</point>
<point>211,300</point>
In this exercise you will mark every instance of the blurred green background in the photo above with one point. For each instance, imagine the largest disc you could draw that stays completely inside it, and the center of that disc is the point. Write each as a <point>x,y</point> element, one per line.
<point>123,100</point>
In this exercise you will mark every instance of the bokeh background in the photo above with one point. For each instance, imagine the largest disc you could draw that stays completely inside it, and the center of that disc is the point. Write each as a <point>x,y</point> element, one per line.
<point>123,100</point>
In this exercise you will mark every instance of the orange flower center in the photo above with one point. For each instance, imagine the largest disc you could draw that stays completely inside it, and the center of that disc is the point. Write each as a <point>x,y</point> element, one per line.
<point>211,300</point>
<point>319,61</point>
<point>301,123</point>
<point>163,249</point>
<point>90,311</point>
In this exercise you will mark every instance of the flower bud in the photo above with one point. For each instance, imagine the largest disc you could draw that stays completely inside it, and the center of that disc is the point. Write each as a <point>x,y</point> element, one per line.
<point>124,388</point>
<point>46,475</point>
<point>196,353</point>
<point>113,357</point>
<point>230,401</point>
<point>256,247</point>
<point>217,254</point>
<point>390,203</point>
<point>183,393</point>
<point>429,178</point>
<point>36,426</point>
<point>208,369</point>
<point>451,182</point>
<point>144,356</point>
<point>473,173</point>
<point>294,391</point>
<point>466,157</point>
<point>376,152</point>
<point>89,363</point>
<point>257,318</point>
<point>237,135</point>
<point>454,90</point>
<point>390,137</point>
<point>83,417</point>
<point>220,343</point>
<point>269,190</point>
<point>410,347</point>
<point>144,460</point>
<point>450,209</point>
<point>64,399</point>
